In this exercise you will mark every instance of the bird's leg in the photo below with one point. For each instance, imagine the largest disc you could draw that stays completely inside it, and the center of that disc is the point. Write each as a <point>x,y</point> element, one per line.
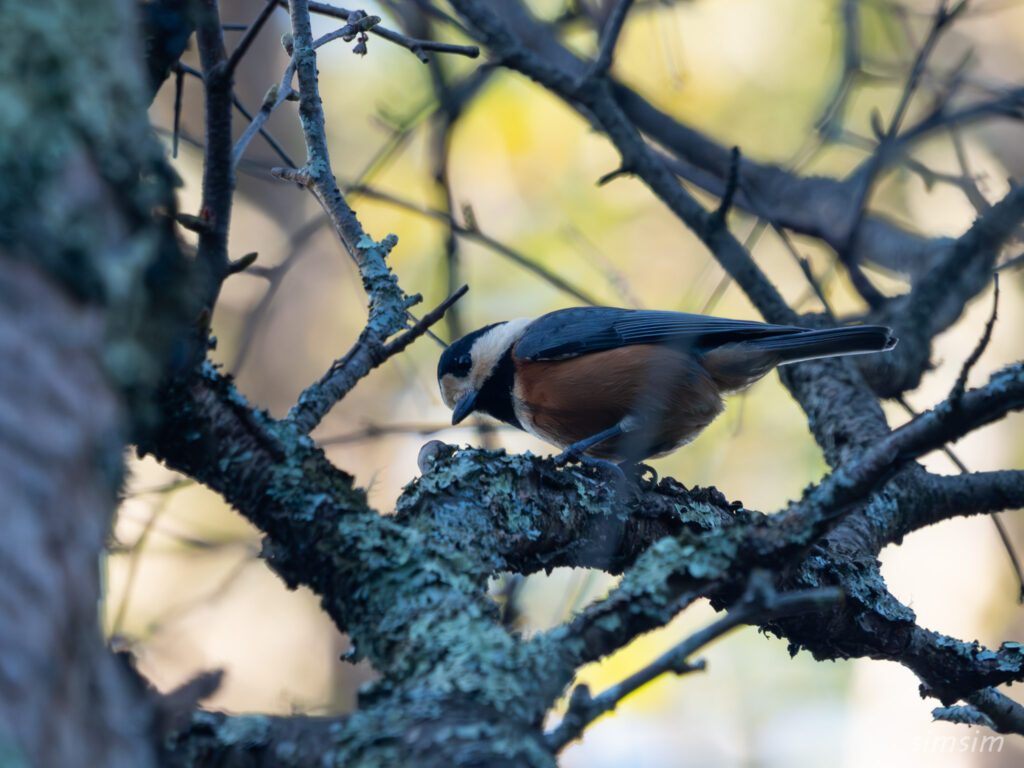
<point>577,450</point>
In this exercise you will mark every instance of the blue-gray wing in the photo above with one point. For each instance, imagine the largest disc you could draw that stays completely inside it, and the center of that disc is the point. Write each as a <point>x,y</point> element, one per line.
<point>570,332</point>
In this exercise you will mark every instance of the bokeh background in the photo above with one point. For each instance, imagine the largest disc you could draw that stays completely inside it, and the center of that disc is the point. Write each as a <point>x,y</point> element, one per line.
<point>185,586</point>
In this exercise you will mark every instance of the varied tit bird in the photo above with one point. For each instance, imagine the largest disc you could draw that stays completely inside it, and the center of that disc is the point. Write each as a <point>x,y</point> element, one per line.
<point>625,384</point>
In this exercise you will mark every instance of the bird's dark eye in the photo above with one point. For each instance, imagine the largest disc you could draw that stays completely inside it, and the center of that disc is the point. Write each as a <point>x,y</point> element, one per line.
<point>462,364</point>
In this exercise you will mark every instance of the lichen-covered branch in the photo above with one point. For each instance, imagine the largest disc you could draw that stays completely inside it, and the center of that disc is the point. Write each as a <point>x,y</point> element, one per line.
<point>458,686</point>
<point>388,303</point>
<point>475,513</point>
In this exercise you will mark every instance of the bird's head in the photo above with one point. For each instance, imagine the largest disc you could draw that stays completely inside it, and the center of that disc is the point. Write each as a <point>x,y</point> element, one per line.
<point>468,364</point>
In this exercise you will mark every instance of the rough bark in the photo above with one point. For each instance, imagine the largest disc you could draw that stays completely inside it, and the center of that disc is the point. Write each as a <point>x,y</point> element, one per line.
<point>90,316</point>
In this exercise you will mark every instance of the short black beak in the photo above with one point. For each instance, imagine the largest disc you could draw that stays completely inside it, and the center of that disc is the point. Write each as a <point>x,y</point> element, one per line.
<point>464,407</point>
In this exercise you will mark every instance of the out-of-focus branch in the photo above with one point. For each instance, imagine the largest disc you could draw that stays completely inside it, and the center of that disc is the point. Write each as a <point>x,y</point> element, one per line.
<point>471,231</point>
<point>960,269</point>
<point>595,96</point>
<point>609,38</point>
<point>919,505</point>
<point>167,26</point>
<point>275,276</point>
<point>250,35</point>
<point>806,205</point>
<point>376,431</point>
<point>941,22</point>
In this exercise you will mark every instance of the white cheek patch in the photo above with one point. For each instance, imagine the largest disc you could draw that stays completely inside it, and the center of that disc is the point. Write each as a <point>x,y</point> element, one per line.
<point>453,388</point>
<point>489,348</point>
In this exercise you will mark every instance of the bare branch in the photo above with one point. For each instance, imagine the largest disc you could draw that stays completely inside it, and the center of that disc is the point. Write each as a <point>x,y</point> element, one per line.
<point>1007,715</point>
<point>471,231</point>
<point>609,38</point>
<point>365,355</point>
<point>388,303</point>
<point>941,22</point>
<point>250,34</point>
<point>961,381</point>
<point>980,500</point>
<point>945,423</point>
<point>974,493</point>
<point>757,607</point>
<point>418,47</point>
<point>636,154</point>
<point>218,175</point>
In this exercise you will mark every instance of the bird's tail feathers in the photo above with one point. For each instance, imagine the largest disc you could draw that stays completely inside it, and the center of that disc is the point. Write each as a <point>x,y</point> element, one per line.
<point>828,342</point>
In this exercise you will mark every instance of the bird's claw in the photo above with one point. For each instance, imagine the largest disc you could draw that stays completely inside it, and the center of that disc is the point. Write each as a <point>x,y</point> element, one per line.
<point>573,454</point>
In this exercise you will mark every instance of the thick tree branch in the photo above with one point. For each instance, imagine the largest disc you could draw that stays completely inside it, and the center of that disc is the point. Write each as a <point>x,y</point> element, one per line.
<point>416,580</point>
<point>952,496</point>
<point>93,297</point>
<point>945,423</point>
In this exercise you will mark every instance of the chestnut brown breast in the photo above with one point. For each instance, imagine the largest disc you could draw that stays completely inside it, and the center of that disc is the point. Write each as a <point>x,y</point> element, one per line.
<point>668,394</point>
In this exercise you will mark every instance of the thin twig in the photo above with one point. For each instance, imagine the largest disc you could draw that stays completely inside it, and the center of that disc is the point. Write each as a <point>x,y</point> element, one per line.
<point>757,607</point>
<point>961,382</point>
<point>395,346</point>
<point>251,130</point>
<point>218,175</point>
<point>805,267</point>
<point>717,217</point>
<point>275,275</point>
<point>609,39</point>
<point>366,354</point>
<point>969,184</point>
<point>941,21</point>
<point>135,552</point>
<point>275,97</point>
<point>752,238</point>
<point>179,89</point>
<point>849,16</point>
<point>389,304</point>
<point>472,231</point>
<point>418,47</point>
<point>274,143</point>
<point>250,36</point>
